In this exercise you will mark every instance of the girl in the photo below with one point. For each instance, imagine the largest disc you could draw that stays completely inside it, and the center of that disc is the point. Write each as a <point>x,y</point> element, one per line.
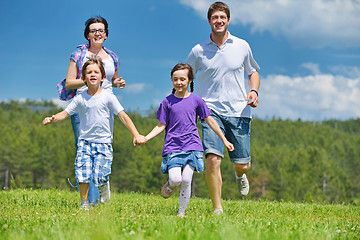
<point>182,153</point>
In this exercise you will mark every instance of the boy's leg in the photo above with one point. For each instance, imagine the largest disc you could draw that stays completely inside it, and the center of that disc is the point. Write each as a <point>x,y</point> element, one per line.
<point>83,166</point>
<point>103,156</point>
<point>185,191</point>
<point>93,194</point>
<point>84,190</point>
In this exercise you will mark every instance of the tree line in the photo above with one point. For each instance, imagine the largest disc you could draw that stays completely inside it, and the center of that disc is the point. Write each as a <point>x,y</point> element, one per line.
<point>291,160</point>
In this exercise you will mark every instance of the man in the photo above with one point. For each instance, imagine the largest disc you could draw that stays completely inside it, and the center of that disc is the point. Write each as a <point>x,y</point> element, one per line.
<point>220,62</point>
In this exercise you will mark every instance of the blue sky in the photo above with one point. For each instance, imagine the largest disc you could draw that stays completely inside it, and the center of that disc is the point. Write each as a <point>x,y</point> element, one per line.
<point>308,51</point>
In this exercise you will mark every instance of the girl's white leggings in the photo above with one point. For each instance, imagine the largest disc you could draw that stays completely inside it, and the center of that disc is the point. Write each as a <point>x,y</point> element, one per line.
<point>184,179</point>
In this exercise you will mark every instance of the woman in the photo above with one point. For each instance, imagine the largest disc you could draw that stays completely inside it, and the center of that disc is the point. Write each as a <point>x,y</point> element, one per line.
<point>96,32</point>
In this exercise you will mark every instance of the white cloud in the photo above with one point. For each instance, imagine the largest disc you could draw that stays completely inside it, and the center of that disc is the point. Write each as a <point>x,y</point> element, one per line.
<point>312,67</point>
<point>135,87</point>
<point>310,23</point>
<point>312,97</point>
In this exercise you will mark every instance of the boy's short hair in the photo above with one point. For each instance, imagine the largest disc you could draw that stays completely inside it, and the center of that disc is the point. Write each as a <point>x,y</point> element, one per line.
<point>95,61</point>
<point>218,6</point>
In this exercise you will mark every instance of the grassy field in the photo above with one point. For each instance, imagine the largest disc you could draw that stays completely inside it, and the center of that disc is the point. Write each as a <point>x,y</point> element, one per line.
<point>55,214</point>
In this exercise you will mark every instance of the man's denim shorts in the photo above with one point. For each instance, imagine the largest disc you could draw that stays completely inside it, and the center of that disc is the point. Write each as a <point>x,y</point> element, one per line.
<point>93,162</point>
<point>236,130</point>
<point>180,159</point>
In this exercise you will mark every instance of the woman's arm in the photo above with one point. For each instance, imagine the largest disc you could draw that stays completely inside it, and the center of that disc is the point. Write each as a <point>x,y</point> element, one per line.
<point>71,81</point>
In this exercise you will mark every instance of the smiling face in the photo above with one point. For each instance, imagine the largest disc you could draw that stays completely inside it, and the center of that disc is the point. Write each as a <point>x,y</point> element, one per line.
<point>181,81</point>
<point>93,76</point>
<point>97,34</point>
<point>219,22</point>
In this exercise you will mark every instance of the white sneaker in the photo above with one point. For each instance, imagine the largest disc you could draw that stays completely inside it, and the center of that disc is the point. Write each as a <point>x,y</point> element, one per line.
<point>218,211</point>
<point>242,184</point>
<point>104,192</point>
<point>85,206</point>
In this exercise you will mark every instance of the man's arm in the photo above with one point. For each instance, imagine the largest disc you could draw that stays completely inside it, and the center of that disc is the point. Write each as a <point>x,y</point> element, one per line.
<point>254,84</point>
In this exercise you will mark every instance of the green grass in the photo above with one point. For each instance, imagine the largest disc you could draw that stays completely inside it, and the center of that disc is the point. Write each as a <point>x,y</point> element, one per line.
<point>55,214</point>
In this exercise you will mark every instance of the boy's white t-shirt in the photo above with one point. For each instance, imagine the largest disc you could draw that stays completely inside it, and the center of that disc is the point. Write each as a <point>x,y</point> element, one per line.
<point>109,70</point>
<point>95,114</point>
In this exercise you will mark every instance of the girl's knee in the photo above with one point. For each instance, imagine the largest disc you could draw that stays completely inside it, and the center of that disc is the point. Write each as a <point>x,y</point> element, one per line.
<point>175,181</point>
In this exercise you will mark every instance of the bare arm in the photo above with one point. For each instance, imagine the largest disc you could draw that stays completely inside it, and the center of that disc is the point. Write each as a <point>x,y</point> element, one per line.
<point>125,119</point>
<point>55,118</point>
<point>215,127</point>
<point>254,84</point>
<point>156,131</point>
<point>71,81</point>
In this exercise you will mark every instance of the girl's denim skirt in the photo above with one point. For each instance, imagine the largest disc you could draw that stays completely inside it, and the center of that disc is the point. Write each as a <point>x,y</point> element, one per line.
<point>180,159</point>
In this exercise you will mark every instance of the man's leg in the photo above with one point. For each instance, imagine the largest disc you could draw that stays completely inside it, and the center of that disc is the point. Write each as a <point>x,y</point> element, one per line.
<point>213,179</point>
<point>240,169</point>
<point>242,182</point>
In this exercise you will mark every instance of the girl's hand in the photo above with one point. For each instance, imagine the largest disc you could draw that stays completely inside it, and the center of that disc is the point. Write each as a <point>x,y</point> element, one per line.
<point>120,83</point>
<point>140,140</point>
<point>229,146</point>
<point>48,120</point>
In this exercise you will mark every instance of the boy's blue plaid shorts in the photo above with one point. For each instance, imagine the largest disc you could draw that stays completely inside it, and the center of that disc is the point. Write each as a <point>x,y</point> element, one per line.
<point>93,162</point>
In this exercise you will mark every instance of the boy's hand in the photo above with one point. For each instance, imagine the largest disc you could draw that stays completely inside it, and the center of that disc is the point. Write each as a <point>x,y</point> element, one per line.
<point>229,146</point>
<point>48,120</point>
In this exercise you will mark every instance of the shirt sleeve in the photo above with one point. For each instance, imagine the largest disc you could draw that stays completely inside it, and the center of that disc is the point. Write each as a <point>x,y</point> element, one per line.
<point>115,105</point>
<point>72,107</point>
<point>162,113</point>
<point>192,61</point>
<point>202,109</point>
<point>250,64</point>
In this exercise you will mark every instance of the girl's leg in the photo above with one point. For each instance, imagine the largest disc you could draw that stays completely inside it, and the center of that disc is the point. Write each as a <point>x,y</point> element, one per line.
<point>175,177</point>
<point>185,190</point>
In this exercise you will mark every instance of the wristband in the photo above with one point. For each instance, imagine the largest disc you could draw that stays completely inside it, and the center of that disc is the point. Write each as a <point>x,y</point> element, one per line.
<point>253,90</point>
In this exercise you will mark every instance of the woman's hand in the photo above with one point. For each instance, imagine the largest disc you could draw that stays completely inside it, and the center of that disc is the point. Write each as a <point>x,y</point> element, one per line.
<point>119,83</point>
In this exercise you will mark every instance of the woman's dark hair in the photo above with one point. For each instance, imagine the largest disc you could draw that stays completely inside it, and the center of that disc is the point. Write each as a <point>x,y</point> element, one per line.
<point>92,20</point>
<point>218,6</point>
<point>182,66</point>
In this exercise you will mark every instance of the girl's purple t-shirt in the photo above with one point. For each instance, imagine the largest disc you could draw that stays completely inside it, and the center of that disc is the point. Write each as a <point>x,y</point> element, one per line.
<point>180,115</point>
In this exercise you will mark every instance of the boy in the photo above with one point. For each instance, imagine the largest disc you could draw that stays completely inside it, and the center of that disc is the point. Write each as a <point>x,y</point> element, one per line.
<point>94,154</point>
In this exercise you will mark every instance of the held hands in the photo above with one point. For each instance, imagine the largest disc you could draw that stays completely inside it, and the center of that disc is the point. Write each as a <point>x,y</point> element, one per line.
<point>48,120</point>
<point>140,140</point>
<point>254,99</point>
<point>119,83</point>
